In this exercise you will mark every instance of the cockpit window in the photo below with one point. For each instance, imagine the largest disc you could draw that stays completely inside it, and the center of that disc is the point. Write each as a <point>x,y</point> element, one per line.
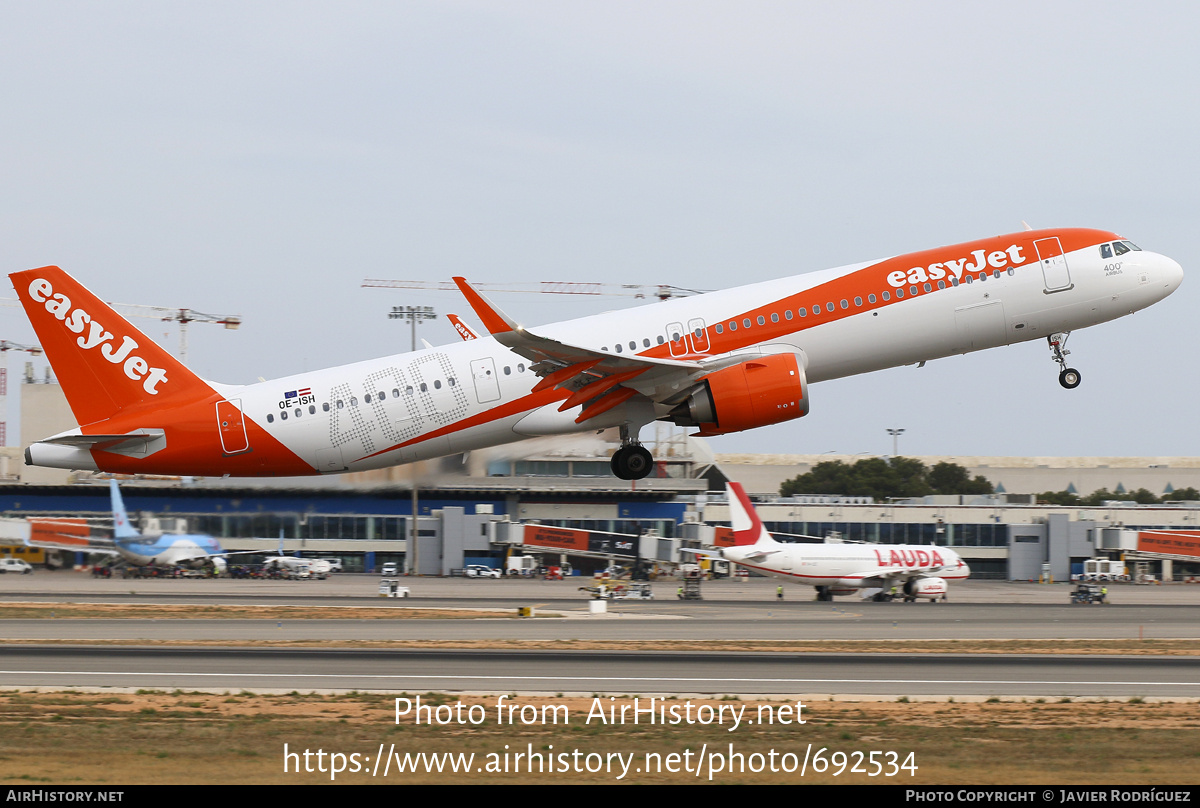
<point>1120,248</point>
<point>1131,245</point>
<point>1106,251</point>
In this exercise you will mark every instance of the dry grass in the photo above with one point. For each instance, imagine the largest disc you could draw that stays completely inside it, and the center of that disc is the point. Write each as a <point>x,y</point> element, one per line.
<point>158,611</point>
<point>908,647</point>
<point>27,611</point>
<point>125,739</point>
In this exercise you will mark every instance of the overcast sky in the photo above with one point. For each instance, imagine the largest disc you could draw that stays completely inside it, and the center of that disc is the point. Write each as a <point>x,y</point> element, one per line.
<point>263,158</point>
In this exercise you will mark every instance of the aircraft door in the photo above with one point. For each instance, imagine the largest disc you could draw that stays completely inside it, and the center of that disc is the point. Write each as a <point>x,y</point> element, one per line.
<point>677,339</point>
<point>1054,265</point>
<point>487,386</point>
<point>698,334</point>
<point>232,427</point>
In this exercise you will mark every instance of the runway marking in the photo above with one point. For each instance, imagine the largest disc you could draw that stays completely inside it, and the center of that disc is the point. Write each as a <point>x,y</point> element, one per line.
<point>605,678</point>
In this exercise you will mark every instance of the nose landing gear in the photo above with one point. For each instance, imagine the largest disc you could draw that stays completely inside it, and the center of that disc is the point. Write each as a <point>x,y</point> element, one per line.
<point>1067,377</point>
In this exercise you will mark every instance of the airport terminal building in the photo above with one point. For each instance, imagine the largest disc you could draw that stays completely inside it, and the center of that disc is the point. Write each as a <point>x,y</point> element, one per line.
<point>474,509</point>
<point>483,520</point>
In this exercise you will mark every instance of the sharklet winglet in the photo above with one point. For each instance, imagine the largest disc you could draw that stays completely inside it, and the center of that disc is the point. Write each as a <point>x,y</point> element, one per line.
<point>494,320</point>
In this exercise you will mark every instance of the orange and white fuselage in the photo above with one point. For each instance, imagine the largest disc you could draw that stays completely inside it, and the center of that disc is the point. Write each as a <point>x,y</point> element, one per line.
<point>723,361</point>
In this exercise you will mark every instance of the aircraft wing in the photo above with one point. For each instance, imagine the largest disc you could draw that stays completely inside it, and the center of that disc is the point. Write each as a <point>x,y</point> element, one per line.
<point>590,375</point>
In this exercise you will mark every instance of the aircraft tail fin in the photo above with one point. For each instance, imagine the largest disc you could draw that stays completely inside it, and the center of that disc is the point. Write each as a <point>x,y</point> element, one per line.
<point>747,527</point>
<point>103,363</point>
<point>121,527</point>
<point>462,328</point>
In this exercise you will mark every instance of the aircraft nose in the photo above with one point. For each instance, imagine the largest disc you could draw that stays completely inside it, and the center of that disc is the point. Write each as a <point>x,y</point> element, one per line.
<point>1172,274</point>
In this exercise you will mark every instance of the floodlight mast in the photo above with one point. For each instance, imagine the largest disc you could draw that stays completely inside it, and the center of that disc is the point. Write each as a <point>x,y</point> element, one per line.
<point>414,315</point>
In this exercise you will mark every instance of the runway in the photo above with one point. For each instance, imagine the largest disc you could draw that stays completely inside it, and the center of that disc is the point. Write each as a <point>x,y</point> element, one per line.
<point>736,611</point>
<point>585,672</point>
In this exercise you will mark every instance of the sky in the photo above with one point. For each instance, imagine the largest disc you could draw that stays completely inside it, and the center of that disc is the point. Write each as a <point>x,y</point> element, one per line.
<point>264,158</point>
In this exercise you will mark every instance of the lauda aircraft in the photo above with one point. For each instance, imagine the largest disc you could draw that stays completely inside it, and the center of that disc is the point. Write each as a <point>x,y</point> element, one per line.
<point>873,570</point>
<point>723,362</point>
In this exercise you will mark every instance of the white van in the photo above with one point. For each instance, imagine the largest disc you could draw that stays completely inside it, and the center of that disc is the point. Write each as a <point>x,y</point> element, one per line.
<point>15,565</point>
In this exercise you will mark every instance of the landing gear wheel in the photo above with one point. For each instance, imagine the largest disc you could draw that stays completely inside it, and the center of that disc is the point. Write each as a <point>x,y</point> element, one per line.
<point>632,462</point>
<point>1069,378</point>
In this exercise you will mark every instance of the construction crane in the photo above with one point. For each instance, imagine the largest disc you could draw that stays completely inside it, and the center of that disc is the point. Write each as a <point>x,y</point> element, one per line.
<point>8,345</point>
<point>181,316</point>
<point>169,315</point>
<point>660,291</point>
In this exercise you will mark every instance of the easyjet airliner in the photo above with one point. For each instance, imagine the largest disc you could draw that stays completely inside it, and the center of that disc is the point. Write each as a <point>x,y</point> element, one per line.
<point>722,362</point>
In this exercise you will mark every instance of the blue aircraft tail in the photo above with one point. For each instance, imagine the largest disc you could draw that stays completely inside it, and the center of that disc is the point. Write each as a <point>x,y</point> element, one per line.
<point>121,527</point>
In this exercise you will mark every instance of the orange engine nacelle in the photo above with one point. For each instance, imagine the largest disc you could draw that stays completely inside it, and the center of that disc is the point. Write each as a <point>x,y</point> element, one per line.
<point>763,391</point>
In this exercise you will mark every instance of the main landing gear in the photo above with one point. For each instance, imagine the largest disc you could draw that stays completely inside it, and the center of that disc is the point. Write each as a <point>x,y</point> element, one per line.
<point>1068,377</point>
<point>632,461</point>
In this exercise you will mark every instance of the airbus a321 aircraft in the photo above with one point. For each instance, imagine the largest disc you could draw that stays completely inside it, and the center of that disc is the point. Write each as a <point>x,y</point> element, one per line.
<point>914,571</point>
<point>723,362</point>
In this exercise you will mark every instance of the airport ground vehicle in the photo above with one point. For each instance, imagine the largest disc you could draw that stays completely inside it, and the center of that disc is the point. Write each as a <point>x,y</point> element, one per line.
<point>15,565</point>
<point>480,571</point>
<point>389,568</point>
<point>1088,593</point>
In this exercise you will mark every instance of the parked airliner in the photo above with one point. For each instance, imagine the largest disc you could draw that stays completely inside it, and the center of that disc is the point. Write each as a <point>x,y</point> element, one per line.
<point>163,550</point>
<point>723,361</point>
<point>880,571</point>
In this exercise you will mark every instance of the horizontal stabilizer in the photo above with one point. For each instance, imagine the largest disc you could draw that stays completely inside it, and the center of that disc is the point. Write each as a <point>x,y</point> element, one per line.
<point>140,436</point>
<point>705,553</point>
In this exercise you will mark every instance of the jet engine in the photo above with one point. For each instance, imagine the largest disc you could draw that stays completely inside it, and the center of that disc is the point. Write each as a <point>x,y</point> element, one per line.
<point>932,588</point>
<point>767,390</point>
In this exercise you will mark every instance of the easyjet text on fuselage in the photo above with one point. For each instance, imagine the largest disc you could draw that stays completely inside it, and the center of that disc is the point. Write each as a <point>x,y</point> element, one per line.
<point>996,259</point>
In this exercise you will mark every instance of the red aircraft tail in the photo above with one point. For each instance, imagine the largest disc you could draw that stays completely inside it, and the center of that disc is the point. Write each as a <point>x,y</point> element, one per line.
<point>103,363</point>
